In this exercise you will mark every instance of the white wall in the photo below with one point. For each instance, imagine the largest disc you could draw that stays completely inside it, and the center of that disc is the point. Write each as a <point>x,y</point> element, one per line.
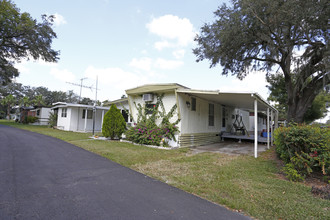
<point>70,123</point>
<point>89,122</point>
<point>232,112</point>
<point>63,122</point>
<point>44,115</point>
<point>198,121</point>
<point>169,101</point>
<point>262,124</point>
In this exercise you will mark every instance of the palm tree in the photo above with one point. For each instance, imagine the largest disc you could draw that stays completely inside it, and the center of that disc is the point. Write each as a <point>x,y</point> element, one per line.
<point>38,100</point>
<point>25,101</point>
<point>8,101</point>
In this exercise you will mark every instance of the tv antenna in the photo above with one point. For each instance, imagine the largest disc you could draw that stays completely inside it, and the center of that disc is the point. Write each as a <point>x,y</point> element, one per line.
<point>81,86</point>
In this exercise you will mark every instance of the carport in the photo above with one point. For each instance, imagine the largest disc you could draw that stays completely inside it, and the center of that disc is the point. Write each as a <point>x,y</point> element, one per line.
<point>242,100</point>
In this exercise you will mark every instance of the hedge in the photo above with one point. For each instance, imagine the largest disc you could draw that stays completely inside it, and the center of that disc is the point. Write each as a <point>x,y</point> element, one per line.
<point>305,149</point>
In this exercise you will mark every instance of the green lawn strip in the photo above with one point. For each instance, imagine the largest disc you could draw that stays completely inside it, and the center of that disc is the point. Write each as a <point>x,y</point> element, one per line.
<point>128,154</point>
<point>238,182</point>
<point>241,183</point>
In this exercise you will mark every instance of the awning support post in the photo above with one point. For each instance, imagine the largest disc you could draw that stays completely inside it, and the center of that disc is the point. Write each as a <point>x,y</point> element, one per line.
<point>255,128</point>
<point>272,126</point>
<point>102,119</point>
<point>85,120</point>
<point>268,128</point>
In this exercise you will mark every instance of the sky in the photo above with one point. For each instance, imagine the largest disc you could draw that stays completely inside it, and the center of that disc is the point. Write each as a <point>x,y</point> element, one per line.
<point>128,44</point>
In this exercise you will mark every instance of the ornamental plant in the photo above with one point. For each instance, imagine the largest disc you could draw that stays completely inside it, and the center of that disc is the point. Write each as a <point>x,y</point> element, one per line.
<point>305,149</point>
<point>151,128</point>
<point>114,124</point>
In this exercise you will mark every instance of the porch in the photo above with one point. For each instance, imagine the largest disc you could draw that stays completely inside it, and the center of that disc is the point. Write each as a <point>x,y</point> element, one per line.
<point>212,113</point>
<point>243,137</point>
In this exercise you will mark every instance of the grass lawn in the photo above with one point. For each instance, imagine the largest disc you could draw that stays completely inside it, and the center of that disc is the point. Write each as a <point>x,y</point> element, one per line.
<point>242,183</point>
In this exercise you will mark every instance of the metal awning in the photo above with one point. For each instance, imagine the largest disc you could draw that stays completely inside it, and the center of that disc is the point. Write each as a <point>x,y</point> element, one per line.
<point>237,100</point>
<point>247,101</point>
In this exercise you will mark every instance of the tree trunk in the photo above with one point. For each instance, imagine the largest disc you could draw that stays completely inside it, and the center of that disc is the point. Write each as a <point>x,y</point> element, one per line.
<point>300,103</point>
<point>8,112</point>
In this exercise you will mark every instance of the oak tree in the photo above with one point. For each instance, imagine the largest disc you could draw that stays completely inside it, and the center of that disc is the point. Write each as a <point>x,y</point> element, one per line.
<point>22,37</point>
<point>286,36</point>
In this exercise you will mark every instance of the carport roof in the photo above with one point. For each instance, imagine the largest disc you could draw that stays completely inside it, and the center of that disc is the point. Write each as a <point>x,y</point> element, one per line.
<point>242,100</point>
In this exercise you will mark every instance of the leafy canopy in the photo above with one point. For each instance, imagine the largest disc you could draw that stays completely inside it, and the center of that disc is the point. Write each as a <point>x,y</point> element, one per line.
<point>278,95</point>
<point>287,35</point>
<point>22,37</point>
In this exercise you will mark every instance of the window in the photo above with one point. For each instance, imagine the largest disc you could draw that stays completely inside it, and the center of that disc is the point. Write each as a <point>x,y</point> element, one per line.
<point>89,114</point>
<point>150,108</point>
<point>38,112</point>
<point>211,114</point>
<point>125,115</point>
<point>193,104</point>
<point>223,117</point>
<point>64,112</point>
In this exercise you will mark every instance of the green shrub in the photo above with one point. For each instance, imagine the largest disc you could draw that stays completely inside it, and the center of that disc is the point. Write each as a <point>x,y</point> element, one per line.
<point>52,119</point>
<point>31,119</point>
<point>114,123</point>
<point>305,147</point>
<point>291,173</point>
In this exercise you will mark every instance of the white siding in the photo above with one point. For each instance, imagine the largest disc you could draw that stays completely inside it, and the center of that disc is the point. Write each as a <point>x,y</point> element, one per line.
<point>63,122</point>
<point>262,124</point>
<point>198,121</point>
<point>74,121</point>
<point>169,101</point>
<point>232,112</point>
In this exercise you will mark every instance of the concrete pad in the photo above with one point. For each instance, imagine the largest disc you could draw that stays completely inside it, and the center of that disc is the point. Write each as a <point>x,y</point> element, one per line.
<point>230,147</point>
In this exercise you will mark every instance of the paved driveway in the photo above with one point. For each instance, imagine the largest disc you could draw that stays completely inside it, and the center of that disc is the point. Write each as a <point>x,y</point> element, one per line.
<point>230,147</point>
<point>45,178</point>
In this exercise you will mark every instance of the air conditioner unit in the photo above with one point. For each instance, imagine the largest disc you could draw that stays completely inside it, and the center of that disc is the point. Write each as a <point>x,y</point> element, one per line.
<point>148,97</point>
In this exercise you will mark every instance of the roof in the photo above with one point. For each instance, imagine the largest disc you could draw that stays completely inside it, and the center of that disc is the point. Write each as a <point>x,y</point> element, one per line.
<point>243,100</point>
<point>116,101</point>
<point>155,88</point>
<point>67,105</point>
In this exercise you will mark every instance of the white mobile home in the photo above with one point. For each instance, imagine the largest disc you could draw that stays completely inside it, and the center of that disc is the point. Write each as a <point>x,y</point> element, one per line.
<point>42,113</point>
<point>78,117</point>
<point>205,116</point>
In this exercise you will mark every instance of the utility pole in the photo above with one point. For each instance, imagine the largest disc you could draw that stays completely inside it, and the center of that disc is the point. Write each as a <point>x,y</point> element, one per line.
<point>94,107</point>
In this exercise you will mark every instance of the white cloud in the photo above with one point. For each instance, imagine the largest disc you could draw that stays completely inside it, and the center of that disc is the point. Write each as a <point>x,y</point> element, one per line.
<point>63,75</point>
<point>179,31</point>
<point>143,63</point>
<point>168,64</point>
<point>59,19</point>
<point>254,82</point>
<point>159,45</point>
<point>21,67</point>
<point>179,54</point>
<point>44,63</point>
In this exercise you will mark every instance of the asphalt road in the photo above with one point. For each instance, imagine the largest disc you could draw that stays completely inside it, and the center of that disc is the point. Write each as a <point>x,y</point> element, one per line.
<point>45,178</point>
